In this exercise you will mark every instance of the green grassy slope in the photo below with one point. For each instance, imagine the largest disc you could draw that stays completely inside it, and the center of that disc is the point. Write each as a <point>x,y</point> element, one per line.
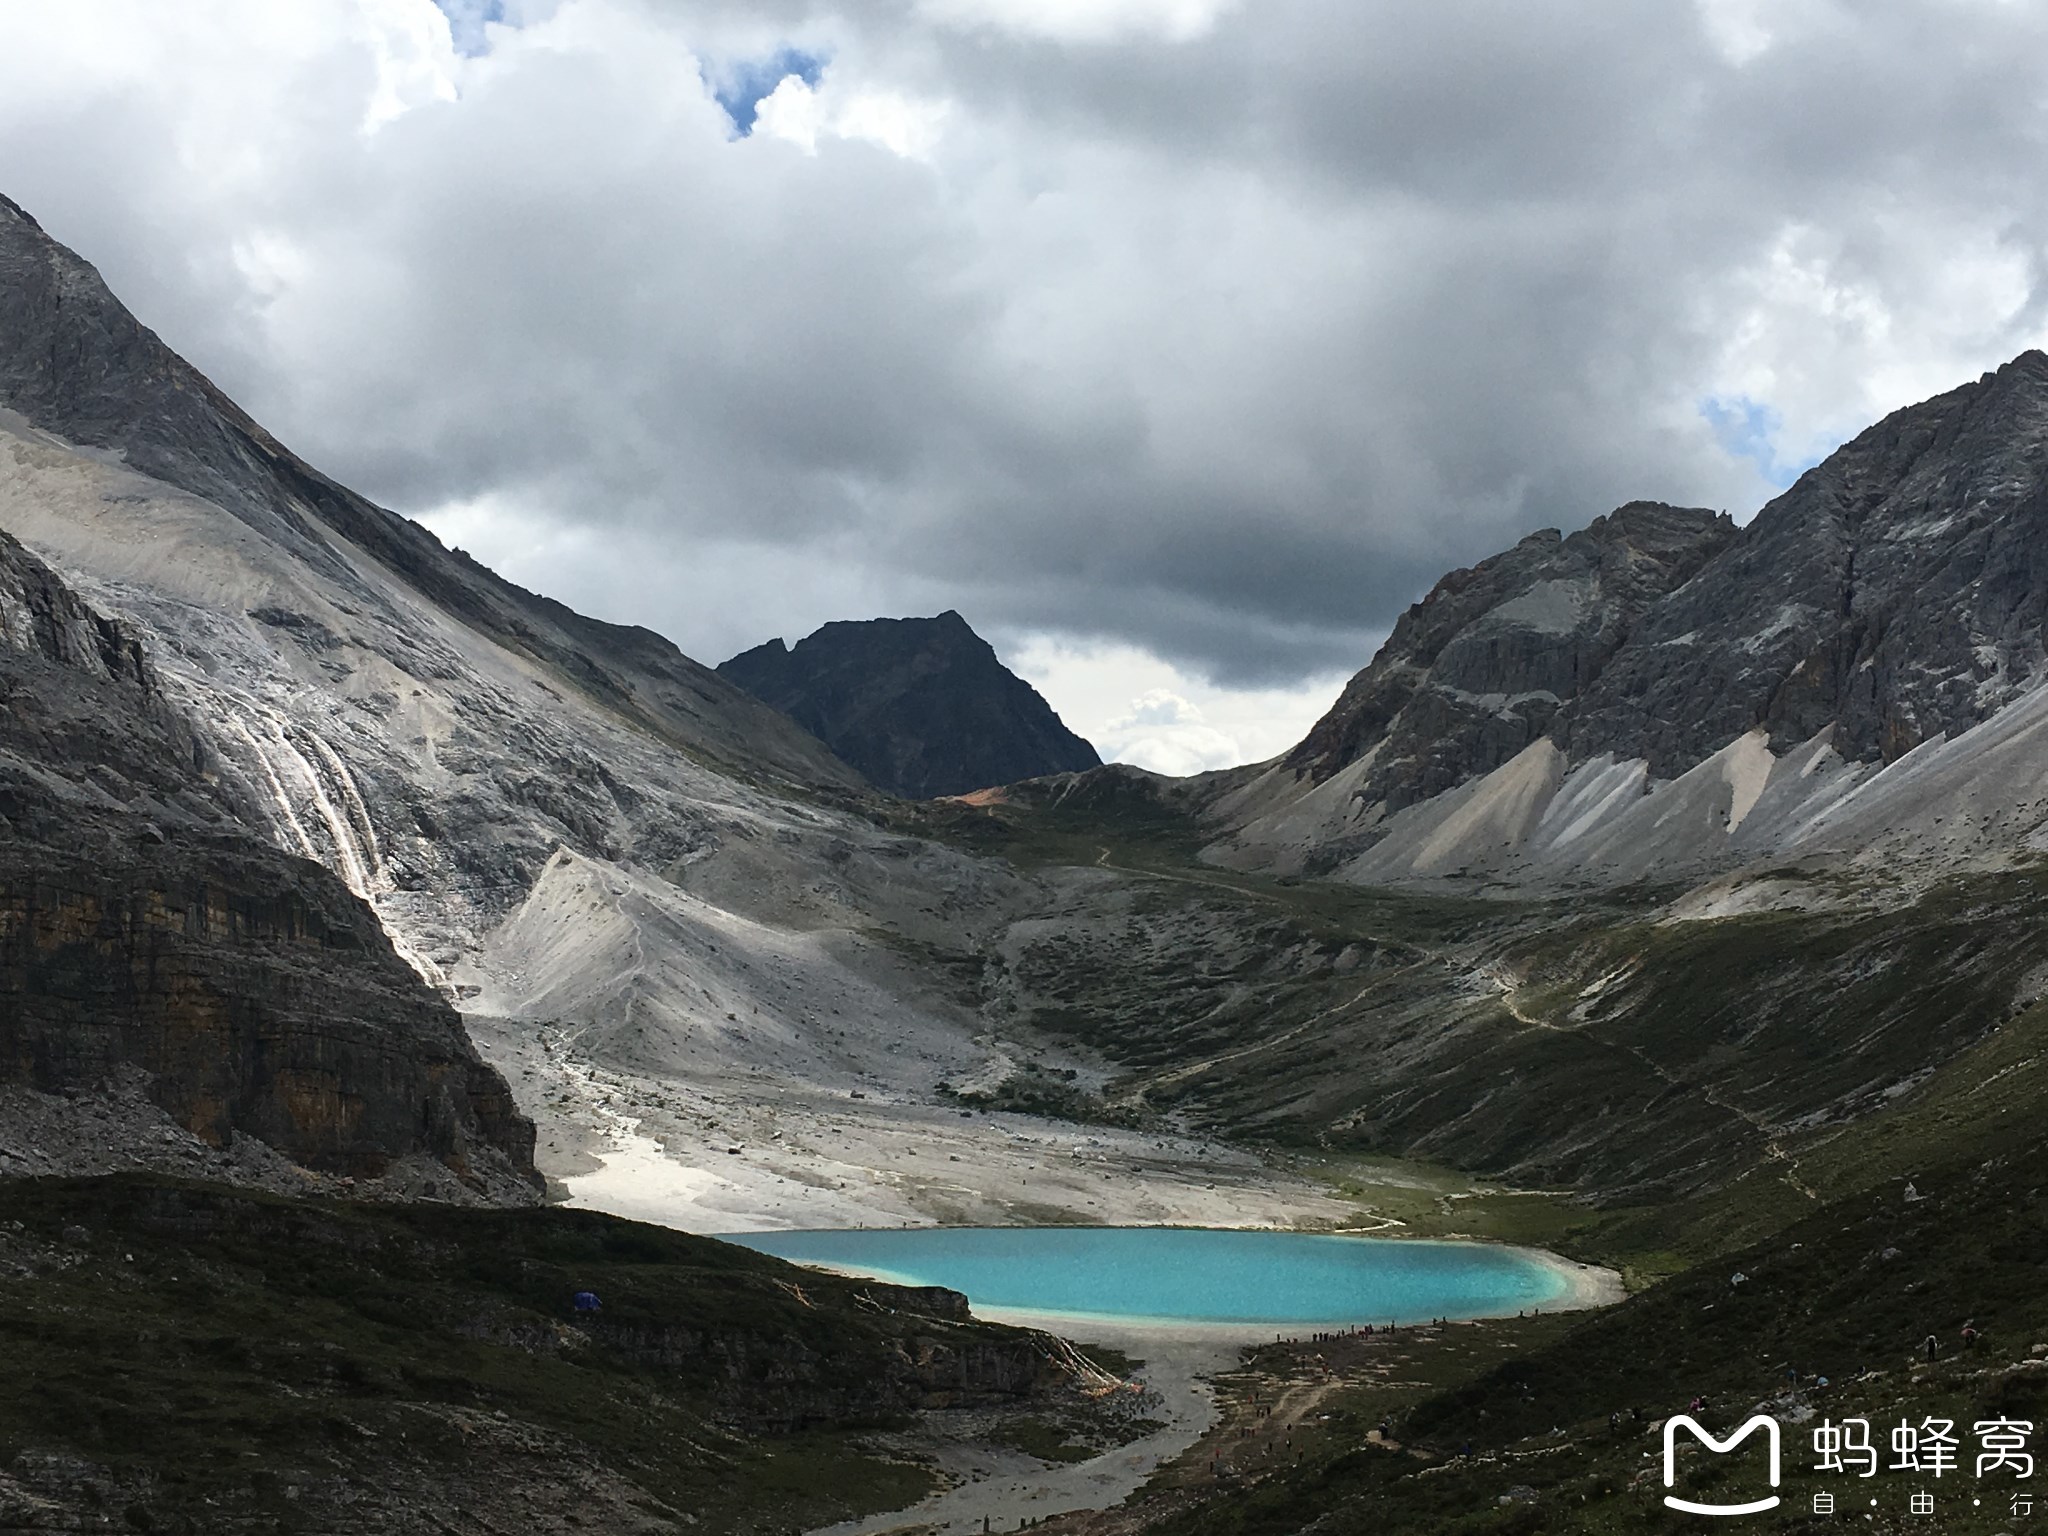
<point>1849,1293</point>
<point>1571,1041</point>
<point>216,1360</point>
<point>1844,1105</point>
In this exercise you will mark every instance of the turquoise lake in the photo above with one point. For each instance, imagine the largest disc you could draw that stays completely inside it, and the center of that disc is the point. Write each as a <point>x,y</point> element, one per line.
<point>1188,1274</point>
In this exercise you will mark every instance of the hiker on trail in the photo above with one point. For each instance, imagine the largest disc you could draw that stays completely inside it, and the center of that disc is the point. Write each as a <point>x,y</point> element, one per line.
<point>1969,1335</point>
<point>586,1304</point>
<point>1933,1344</point>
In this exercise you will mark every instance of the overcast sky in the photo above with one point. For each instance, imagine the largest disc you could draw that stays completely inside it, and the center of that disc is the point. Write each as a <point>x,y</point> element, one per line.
<point>1177,343</point>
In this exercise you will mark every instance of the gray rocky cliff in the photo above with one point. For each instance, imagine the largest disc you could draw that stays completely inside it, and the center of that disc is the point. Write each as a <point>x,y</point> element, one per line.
<point>1896,592</point>
<point>1484,664</point>
<point>551,817</point>
<point>144,926</point>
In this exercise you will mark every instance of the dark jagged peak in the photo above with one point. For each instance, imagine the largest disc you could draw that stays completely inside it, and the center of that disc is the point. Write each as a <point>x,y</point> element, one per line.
<point>75,363</point>
<point>1480,667</point>
<point>923,707</point>
<point>1896,591</point>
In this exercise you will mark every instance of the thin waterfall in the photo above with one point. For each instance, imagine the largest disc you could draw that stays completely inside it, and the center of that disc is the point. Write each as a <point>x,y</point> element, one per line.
<point>358,812</point>
<point>277,790</point>
<point>350,864</point>
<point>297,782</point>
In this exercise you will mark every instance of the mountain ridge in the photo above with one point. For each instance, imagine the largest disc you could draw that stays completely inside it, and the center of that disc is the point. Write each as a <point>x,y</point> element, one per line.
<point>923,707</point>
<point>472,771</point>
<point>1831,680</point>
<point>79,365</point>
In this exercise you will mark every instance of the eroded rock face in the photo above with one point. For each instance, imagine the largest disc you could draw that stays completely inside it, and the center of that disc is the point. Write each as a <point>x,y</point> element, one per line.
<point>1483,666</point>
<point>1895,592</point>
<point>921,706</point>
<point>144,924</point>
<point>363,698</point>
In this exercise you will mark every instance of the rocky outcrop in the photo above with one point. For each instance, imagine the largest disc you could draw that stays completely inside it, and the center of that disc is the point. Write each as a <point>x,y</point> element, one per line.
<point>1895,593</point>
<point>1485,664</point>
<point>921,706</point>
<point>1854,676</point>
<point>145,926</point>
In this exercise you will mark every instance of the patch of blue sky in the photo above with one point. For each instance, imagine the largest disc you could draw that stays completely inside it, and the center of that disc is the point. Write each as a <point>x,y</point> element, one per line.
<point>467,20</point>
<point>1750,429</point>
<point>742,86</point>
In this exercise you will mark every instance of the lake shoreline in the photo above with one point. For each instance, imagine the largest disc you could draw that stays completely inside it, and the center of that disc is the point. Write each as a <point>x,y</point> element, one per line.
<point>1587,1286</point>
<point>1581,1287</point>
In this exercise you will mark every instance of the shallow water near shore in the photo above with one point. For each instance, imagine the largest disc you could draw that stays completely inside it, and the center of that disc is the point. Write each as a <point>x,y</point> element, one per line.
<point>1197,1276</point>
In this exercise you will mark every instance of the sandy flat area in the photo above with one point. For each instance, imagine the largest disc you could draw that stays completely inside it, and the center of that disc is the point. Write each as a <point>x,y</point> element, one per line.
<point>750,1155</point>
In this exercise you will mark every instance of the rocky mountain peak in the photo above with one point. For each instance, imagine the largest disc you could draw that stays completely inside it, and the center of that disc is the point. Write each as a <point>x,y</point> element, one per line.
<point>1482,665</point>
<point>922,706</point>
<point>1858,668</point>
<point>1895,592</point>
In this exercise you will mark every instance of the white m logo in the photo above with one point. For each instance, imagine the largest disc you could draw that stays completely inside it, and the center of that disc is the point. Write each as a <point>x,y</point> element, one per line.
<point>1762,1421</point>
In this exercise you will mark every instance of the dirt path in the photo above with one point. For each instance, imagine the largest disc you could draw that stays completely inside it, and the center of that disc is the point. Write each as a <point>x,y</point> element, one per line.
<point>997,1489</point>
<point>1787,1166</point>
<point>1272,1410</point>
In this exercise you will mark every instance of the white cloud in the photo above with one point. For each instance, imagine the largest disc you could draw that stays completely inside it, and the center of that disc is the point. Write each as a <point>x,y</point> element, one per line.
<point>1083,21</point>
<point>1139,709</point>
<point>1740,29</point>
<point>414,47</point>
<point>1832,341</point>
<point>799,113</point>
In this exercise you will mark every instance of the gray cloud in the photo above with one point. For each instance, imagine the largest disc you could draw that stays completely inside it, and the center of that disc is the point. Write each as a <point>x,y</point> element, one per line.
<point>1224,346</point>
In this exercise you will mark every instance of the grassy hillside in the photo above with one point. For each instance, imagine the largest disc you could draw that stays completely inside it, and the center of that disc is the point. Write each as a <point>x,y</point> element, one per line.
<point>1525,1444</point>
<point>1582,1041</point>
<point>182,1357</point>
